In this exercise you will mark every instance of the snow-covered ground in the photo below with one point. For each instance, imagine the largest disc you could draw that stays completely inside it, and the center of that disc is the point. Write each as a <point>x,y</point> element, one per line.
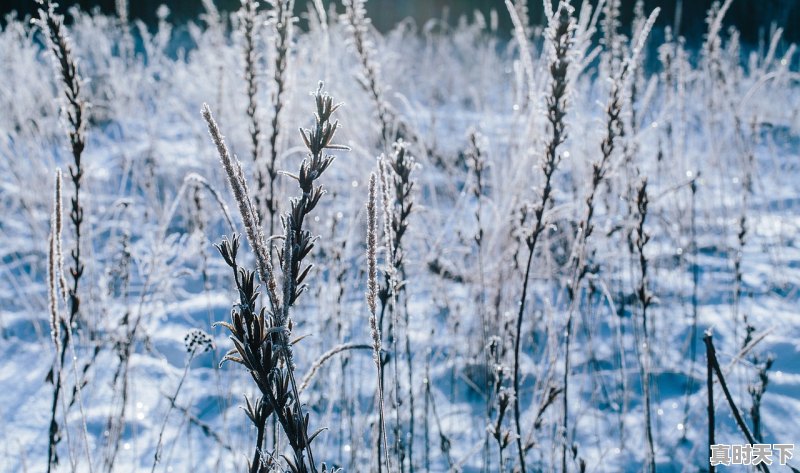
<point>700,123</point>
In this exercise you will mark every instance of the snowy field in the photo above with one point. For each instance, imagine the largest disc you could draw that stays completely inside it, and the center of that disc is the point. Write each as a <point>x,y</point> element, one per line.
<point>522,179</point>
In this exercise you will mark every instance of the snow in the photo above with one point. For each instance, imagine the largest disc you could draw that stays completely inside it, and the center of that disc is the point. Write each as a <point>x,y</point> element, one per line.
<point>147,135</point>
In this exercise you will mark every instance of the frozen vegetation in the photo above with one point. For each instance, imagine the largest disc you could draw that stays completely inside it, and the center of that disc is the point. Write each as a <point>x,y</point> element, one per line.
<point>516,243</point>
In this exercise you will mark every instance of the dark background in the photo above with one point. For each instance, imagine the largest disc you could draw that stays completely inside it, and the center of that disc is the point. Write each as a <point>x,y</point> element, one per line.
<point>751,17</point>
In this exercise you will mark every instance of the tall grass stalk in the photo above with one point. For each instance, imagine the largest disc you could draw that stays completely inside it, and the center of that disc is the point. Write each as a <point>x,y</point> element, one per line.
<point>611,38</point>
<point>358,24</point>
<point>196,341</point>
<point>477,164</point>
<point>710,393</point>
<point>519,19</point>
<point>372,295</point>
<point>73,111</point>
<point>579,255</point>
<point>714,364</point>
<point>693,187</point>
<point>56,290</point>
<point>560,38</point>
<point>250,23</point>
<point>282,21</point>
<point>645,300</point>
<point>397,188</point>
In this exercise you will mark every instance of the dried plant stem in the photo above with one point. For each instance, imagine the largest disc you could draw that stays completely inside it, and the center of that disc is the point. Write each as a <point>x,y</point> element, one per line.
<point>249,24</point>
<point>757,391</point>
<point>172,399</point>
<point>55,279</point>
<point>392,126</point>
<point>397,188</point>
<point>78,390</point>
<point>262,339</point>
<point>695,294</point>
<point>57,324</point>
<point>521,36</point>
<point>504,396</point>
<point>746,193</point>
<point>59,227</point>
<point>115,431</point>
<point>710,392</point>
<point>199,181</point>
<point>645,299</point>
<point>261,428</point>
<point>712,360</point>
<point>327,356</point>
<point>283,22</point>
<point>206,429</point>
<point>611,37</point>
<point>578,263</point>
<point>477,163</point>
<point>255,235</point>
<point>358,23</point>
<point>372,295</point>
<point>561,36</point>
<point>410,374</point>
<point>73,111</point>
<point>444,441</point>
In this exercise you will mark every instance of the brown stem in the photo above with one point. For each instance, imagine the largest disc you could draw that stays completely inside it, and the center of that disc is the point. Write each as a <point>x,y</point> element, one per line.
<point>710,388</point>
<point>260,428</point>
<point>736,415</point>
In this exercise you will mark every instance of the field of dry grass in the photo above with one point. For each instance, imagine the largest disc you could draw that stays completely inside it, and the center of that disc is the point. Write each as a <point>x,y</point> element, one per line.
<point>247,245</point>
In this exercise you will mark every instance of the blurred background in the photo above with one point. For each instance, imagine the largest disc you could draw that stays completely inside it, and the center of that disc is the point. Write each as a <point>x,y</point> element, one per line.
<point>752,17</point>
